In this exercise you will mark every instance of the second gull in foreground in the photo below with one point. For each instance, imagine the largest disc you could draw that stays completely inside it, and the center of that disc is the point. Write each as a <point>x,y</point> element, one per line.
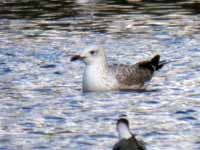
<point>127,139</point>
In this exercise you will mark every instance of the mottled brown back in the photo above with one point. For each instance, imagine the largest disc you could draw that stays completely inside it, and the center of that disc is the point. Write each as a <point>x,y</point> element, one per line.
<point>129,75</point>
<point>130,144</point>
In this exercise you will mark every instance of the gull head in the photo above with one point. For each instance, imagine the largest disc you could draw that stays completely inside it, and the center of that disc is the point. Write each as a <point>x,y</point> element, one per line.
<point>123,128</point>
<point>92,55</point>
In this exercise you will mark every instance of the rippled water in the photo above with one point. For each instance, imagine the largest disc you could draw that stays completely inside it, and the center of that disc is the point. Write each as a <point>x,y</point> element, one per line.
<point>41,103</point>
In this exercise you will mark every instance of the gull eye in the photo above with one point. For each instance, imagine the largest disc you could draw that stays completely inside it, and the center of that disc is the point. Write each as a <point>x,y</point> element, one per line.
<point>92,52</point>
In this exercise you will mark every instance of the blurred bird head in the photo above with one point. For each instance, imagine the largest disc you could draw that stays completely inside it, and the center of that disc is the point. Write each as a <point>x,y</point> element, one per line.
<point>92,55</point>
<point>123,128</point>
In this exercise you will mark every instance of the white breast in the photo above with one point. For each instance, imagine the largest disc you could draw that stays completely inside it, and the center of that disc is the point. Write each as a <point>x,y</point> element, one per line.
<point>96,78</point>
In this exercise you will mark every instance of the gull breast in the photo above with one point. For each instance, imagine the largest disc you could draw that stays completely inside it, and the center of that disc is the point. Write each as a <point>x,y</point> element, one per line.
<point>97,79</point>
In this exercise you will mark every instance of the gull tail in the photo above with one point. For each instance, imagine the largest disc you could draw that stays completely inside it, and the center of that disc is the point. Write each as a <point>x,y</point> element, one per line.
<point>156,63</point>
<point>153,64</point>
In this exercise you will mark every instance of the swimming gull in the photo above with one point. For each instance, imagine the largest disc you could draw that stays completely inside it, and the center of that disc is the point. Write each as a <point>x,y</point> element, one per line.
<point>100,76</point>
<point>127,140</point>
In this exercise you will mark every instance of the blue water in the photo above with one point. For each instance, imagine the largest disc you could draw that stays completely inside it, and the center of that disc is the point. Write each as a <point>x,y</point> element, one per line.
<point>41,102</point>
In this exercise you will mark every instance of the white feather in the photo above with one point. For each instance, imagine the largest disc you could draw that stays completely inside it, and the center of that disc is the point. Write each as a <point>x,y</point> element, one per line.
<point>124,131</point>
<point>96,75</point>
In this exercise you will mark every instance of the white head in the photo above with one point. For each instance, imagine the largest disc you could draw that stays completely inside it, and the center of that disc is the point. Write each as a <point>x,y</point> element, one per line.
<point>123,129</point>
<point>92,55</point>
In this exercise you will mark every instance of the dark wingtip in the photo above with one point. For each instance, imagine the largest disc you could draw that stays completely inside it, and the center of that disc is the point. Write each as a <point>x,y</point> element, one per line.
<point>157,63</point>
<point>75,57</point>
<point>161,64</point>
<point>154,64</point>
<point>155,60</point>
<point>157,56</point>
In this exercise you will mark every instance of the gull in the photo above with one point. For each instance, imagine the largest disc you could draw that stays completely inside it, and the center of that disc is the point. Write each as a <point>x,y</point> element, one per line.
<point>100,76</point>
<point>127,140</point>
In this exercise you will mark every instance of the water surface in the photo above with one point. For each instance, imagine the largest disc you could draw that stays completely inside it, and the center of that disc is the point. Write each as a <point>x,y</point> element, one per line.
<point>42,106</point>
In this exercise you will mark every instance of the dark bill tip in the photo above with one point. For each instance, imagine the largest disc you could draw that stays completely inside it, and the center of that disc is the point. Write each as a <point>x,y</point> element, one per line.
<point>75,57</point>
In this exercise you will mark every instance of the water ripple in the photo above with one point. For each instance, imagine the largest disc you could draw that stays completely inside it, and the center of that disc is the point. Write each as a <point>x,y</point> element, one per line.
<point>42,105</point>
